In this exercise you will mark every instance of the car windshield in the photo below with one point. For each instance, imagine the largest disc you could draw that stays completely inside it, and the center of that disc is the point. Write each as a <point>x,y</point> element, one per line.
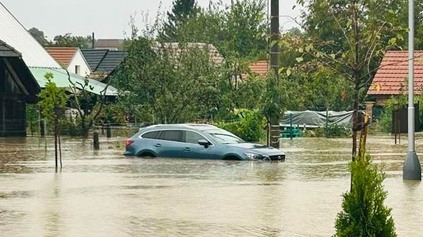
<point>223,136</point>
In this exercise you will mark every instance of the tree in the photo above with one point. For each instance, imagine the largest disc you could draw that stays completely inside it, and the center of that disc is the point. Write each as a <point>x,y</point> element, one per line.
<point>168,83</point>
<point>68,40</point>
<point>161,85</point>
<point>39,36</point>
<point>238,30</point>
<point>346,36</point>
<point>182,11</point>
<point>52,104</point>
<point>363,211</point>
<point>245,30</point>
<point>88,105</point>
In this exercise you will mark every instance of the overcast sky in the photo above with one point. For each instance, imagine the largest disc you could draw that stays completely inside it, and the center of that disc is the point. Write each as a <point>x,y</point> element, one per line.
<point>106,18</point>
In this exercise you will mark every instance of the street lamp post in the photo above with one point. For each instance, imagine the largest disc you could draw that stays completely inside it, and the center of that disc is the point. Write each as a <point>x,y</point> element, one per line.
<point>412,168</point>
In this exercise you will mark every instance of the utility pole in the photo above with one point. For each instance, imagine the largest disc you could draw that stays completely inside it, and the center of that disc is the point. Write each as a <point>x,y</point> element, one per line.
<point>412,168</point>
<point>274,65</point>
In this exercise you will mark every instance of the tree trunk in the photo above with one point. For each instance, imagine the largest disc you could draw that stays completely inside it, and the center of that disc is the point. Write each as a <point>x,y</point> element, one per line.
<point>55,143</point>
<point>356,78</point>
<point>355,123</point>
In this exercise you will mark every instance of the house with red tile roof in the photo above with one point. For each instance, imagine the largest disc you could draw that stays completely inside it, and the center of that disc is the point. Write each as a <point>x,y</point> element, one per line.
<point>71,59</point>
<point>259,68</point>
<point>391,77</point>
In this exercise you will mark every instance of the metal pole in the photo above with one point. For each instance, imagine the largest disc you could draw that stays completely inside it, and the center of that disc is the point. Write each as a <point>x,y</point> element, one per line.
<point>412,168</point>
<point>274,64</point>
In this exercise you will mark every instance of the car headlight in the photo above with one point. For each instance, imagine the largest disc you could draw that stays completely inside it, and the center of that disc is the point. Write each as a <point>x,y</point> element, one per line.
<point>251,156</point>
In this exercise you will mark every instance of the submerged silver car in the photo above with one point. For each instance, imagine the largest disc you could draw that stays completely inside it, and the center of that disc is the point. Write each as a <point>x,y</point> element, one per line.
<point>201,141</point>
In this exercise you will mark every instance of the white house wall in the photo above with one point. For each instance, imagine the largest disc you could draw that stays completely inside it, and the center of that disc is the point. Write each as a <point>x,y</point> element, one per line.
<point>79,60</point>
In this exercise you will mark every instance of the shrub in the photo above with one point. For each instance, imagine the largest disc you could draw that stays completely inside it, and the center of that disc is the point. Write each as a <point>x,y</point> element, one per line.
<point>363,212</point>
<point>250,125</point>
<point>334,130</point>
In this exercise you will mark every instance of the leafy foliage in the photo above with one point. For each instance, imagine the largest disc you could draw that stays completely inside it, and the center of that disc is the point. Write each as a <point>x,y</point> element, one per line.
<point>238,31</point>
<point>349,38</point>
<point>32,118</point>
<point>52,104</point>
<point>52,100</point>
<point>39,36</point>
<point>363,210</point>
<point>182,11</point>
<point>273,97</point>
<point>248,125</point>
<point>88,106</point>
<point>68,40</point>
<point>171,82</point>
<point>244,30</point>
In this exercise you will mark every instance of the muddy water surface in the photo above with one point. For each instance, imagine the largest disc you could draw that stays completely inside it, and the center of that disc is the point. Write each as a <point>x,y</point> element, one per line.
<point>103,193</point>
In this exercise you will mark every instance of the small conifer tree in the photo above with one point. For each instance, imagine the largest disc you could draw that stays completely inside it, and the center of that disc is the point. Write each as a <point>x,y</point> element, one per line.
<point>363,212</point>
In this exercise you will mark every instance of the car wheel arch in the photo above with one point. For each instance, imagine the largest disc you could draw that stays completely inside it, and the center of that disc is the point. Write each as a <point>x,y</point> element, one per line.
<point>232,157</point>
<point>147,153</point>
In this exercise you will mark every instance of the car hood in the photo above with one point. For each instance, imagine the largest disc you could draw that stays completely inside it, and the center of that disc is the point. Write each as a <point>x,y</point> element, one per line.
<point>257,148</point>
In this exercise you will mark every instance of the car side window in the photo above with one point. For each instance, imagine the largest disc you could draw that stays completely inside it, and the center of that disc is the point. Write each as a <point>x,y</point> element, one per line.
<point>172,135</point>
<point>193,137</point>
<point>150,135</point>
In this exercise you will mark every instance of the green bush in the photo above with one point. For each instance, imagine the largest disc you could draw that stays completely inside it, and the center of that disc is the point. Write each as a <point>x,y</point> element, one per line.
<point>70,128</point>
<point>336,130</point>
<point>385,122</point>
<point>363,212</point>
<point>249,126</point>
<point>328,131</point>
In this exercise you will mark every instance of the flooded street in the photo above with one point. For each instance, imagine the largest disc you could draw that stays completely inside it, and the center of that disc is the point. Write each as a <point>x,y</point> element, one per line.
<point>103,193</point>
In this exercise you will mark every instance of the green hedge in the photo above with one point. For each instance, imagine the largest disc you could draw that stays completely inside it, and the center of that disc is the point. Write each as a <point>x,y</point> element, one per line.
<point>249,125</point>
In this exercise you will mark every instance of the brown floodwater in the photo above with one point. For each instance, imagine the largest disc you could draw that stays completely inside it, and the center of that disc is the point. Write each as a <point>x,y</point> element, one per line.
<point>103,193</point>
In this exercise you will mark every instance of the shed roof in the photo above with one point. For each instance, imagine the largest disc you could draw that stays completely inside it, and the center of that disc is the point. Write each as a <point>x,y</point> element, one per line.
<point>60,77</point>
<point>24,75</point>
<point>62,55</point>
<point>393,71</point>
<point>8,51</point>
<point>36,57</point>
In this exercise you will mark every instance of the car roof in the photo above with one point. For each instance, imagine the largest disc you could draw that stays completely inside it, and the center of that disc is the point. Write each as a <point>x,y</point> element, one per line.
<point>195,126</point>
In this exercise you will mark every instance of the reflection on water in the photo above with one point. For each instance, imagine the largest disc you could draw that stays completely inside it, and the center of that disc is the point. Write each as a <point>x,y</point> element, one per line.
<point>103,193</point>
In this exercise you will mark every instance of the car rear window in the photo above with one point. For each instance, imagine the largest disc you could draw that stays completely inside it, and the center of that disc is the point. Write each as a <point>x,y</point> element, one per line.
<point>172,135</point>
<point>150,135</point>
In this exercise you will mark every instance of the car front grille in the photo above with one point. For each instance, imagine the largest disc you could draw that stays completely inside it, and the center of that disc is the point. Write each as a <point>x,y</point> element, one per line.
<point>277,158</point>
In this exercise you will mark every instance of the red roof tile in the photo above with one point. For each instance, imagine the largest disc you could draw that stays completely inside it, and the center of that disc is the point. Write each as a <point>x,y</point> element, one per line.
<point>390,77</point>
<point>63,55</point>
<point>260,68</point>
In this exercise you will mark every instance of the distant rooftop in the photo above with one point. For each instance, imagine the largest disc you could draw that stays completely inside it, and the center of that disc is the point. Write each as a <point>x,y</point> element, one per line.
<point>112,44</point>
<point>63,55</point>
<point>393,70</point>
<point>103,60</point>
<point>215,56</point>
<point>261,68</point>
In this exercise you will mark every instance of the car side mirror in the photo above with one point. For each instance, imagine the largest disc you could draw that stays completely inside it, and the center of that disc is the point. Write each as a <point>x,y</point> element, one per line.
<point>204,143</point>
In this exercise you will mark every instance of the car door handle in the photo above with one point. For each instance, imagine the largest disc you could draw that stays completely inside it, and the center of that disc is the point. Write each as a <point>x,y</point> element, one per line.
<point>158,145</point>
<point>187,149</point>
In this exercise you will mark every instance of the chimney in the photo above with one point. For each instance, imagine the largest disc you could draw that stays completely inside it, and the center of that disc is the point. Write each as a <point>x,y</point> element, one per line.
<point>93,41</point>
